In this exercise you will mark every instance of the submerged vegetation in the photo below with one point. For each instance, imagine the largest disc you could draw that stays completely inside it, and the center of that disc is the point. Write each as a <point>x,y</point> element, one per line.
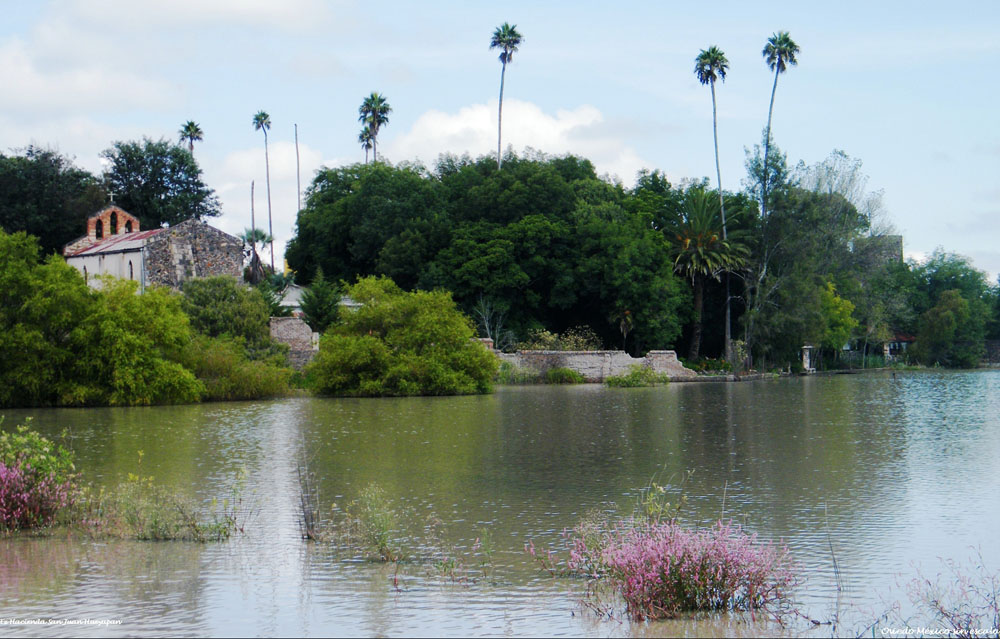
<point>39,489</point>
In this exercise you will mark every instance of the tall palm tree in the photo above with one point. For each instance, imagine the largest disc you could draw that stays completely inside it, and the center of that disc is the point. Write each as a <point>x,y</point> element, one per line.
<point>365,138</point>
<point>711,64</point>
<point>506,38</point>
<point>262,122</point>
<point>700,252</point>
<point>374,113</point>
<point>779,52</point>
<point>191,132</point>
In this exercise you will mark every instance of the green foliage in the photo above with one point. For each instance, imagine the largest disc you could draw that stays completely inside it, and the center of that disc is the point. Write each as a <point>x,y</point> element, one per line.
<point>400,343</point>
<point>637,376</point>
<point>221,364</point>
<point>43,194</point>
<point>579,338</point>
<point>64,344</point>
<point>561,375</point>
<point>129,348</point>
<point>951,333</point>
<point>545,241</point>
<point>158,182</point>
<point>510,374</point>
<point>838,323</point>
<point>221,306</point>
<point>707,364</point>
<point>25,448</point>
<point>320,302</point>
<point>374,518</point>
<point>139,508</point>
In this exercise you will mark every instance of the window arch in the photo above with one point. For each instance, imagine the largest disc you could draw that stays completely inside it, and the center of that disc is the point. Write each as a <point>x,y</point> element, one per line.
<point>130,276</point>
<point>99,229</point>
<point>128,226</point>
<point>84,273</point>
<point>113,223</point>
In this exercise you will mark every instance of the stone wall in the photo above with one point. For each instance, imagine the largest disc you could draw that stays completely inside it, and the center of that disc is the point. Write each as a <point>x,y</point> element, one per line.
<point>192,249</point>
<point>596,366</point>
<point>302,341</point>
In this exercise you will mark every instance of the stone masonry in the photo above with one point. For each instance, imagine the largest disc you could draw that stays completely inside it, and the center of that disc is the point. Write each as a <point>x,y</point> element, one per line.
<point>302,342</point>
<point>596,366</point>
<point>192,249</point>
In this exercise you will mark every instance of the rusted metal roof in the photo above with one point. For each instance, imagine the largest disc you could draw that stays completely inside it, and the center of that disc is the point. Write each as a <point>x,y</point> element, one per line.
<point>119,243</point>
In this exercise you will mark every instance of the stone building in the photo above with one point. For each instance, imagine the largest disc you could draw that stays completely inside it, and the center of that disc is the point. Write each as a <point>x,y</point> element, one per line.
<point>115,245</point>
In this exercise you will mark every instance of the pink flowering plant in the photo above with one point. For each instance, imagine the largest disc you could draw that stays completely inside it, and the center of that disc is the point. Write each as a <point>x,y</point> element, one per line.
<point>36,479</point>
<point>663,569</point>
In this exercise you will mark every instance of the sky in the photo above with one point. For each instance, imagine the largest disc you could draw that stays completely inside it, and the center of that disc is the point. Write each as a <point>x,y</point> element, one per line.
<point>908,88</point>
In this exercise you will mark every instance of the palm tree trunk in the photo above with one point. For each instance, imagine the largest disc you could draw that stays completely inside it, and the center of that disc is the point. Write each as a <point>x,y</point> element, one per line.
<point>728,343</point>
<point>374,144</point>
<point>503,70</point>
<point>270,227</point>
<point>699,298</point>
<point>767,148</point>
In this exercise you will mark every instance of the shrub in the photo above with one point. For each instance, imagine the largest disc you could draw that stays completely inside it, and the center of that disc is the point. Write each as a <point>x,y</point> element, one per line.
<point>561,375</point>
<point>637,375</point>
<point>579,338</point>
<point>221,364</point>
<point>705,364</point>
<point>401,343</point>
<point>36,479</point>
<point>511,374</point>
<point>664,569</point>
<point>223,306</point>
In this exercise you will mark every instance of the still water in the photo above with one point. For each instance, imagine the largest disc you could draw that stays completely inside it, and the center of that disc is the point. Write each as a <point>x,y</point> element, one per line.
<point>894,471</point>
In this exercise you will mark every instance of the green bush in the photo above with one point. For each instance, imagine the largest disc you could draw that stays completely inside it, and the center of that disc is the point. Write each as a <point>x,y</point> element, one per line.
<point>36,480</point>
<point>637,375</point>
<point>24,447</point>
<point>400,343</point>
<point>579,338</point>
<point>706,364</point>
<point>510,374</point>
<point>560,375</point>
<point>221,364</point>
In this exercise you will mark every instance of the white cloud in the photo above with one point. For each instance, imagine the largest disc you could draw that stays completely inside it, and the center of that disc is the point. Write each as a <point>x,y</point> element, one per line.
<point>473,129</point>
<point>294,15</point>
<point>47,89</point>
<point>231,181</point>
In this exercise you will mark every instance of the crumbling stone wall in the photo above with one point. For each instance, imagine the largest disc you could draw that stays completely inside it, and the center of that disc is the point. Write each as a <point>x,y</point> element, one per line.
<point>192,249</point>
<point>302,342</point>
<point>596,366</point>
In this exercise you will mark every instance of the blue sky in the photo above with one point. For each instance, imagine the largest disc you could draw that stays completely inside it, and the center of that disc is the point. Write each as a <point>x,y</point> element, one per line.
<point>908,88</point>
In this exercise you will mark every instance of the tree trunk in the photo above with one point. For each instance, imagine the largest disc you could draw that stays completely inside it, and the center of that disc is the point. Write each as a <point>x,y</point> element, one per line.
<point>503,70</point>
<point>270,227</point>
<point>699,287</point>
<point>767,148</point>
<point>728,343</point>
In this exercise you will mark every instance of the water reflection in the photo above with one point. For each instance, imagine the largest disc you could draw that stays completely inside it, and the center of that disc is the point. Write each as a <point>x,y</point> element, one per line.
<point>891,470</point>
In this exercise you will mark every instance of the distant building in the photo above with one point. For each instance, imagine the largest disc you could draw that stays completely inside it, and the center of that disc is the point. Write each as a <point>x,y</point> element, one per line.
<point>114,245</point>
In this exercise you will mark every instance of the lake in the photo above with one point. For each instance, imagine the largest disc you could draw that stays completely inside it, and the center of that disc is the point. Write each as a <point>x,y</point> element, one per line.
<point>896,471</point>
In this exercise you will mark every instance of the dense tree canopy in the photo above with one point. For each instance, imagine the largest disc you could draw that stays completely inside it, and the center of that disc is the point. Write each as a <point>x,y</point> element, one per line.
<point>544,241</point>
<point>43,194</point>
<point>158,182</point>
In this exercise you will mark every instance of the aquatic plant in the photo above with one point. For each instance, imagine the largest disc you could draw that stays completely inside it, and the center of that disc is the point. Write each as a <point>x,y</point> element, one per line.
<point>664,569</point>
<point>637,376</point>
<point>371,519</point>
<point>964,599</point>
<point>36,479</point>
<point>561,375</point>
<point>511,374</point>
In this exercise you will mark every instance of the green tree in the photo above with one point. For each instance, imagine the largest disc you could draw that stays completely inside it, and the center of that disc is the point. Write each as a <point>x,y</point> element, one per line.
<point>221,306</point>
<point>262,122</point>
<point>700,252</point>
<point>374,113</point>
<point>507,39</point>
<point>191,132</point>
<point>779,52</point>
<point>158,182</point>
<point>952,332</point>
<point>43,194</point>
<point>839,323</point>
<point>399,343</point>
<point>365,139</point>
<point>320,302</point>
<point>711,64</point>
